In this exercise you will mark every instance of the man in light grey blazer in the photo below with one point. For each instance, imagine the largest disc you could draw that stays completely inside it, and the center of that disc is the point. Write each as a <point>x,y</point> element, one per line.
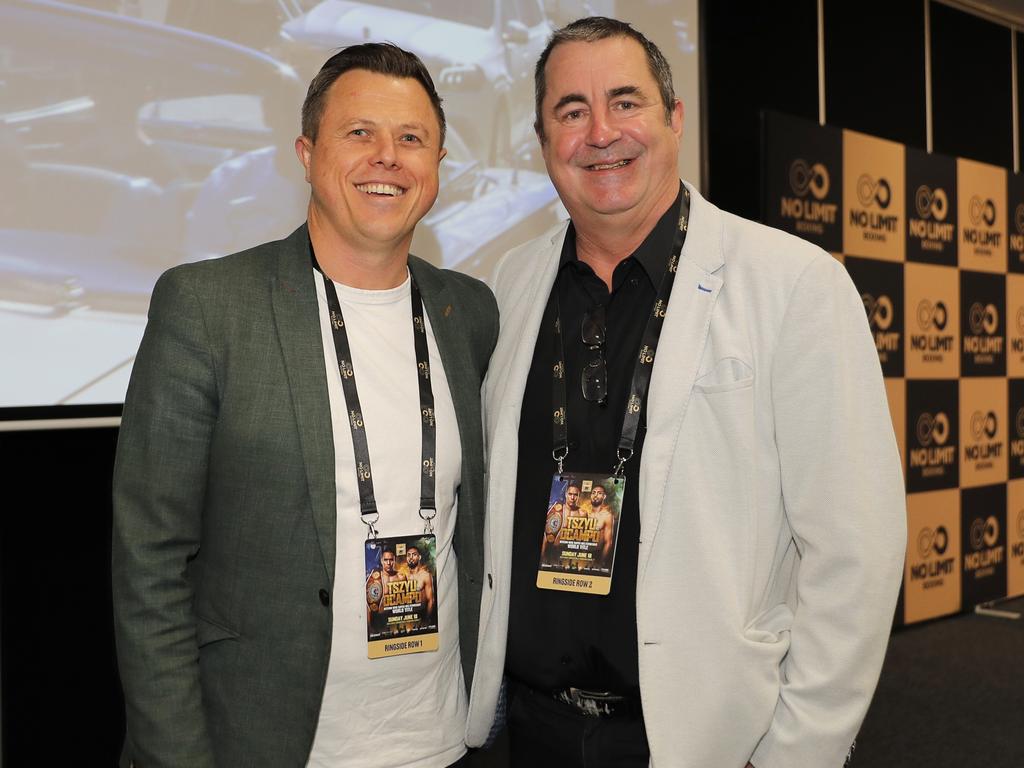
<point>719,378</point>
<point>249,601</point>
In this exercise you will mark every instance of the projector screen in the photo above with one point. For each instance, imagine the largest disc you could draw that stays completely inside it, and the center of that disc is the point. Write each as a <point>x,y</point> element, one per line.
<point>140,134</point>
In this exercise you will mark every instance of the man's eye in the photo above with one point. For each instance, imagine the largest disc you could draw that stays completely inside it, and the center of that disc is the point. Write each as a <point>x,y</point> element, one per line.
<point>410,137</point>
<point>573,115</point>
<point>360,132</point>
<point>626,105</point>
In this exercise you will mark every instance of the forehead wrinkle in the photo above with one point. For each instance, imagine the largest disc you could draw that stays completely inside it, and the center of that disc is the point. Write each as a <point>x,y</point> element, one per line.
<point>359,120</point>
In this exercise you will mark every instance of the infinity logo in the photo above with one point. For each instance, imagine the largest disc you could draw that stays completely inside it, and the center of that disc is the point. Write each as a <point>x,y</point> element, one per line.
<point>879,310</point>
<point>870,191</point>
<point>1018,217</point>
<point>804,178</point>
<point>929,541</point>
<point>931,315</point>
<point>1020,319</point>
<point>932,429</point>
<point>984,533</point>
<point>1020,523</point>
<point>983,318</point>
<point>982,211</point>
<point>984,424</point>
<point>1019,422</point>
<point>931,203</point>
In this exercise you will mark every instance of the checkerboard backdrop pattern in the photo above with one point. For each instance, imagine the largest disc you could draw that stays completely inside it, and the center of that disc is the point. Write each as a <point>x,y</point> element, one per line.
<point>935,245</point>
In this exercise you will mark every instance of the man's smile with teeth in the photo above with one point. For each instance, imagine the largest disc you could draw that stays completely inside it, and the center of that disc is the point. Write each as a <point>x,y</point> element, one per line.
<point>607,166</point>
<point>381,189</point>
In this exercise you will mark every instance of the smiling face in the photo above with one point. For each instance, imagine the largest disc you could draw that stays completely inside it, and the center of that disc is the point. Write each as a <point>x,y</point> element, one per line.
<point>373,167</point>
<point>607,146</point>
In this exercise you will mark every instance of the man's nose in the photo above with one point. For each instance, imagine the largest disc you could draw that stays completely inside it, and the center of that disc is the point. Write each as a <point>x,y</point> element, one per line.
<point>385,152</point>
<point>602,130</point>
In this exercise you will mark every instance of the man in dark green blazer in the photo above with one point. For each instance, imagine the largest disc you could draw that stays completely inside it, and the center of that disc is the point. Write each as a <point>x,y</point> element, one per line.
<point>240,510</point>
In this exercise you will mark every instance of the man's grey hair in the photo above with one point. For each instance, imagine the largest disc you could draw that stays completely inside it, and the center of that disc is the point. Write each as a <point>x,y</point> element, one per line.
<point>590,30</point>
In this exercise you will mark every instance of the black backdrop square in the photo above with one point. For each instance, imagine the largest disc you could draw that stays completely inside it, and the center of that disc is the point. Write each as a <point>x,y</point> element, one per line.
<point>931,208</point>
<point>1015,222</point>
<point>1015,431</point>
<point>803,184</point>
<point>982,324</point>
<point>933,435</point>
<point>881,288</point>
<point>983,543</point>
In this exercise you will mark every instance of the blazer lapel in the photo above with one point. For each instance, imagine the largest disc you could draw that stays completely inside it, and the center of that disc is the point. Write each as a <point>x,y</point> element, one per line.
<point>521,304</point>
<point>522,310</point>
<point>451,341</point>
<point>683,337</point>
<point>296,315</point>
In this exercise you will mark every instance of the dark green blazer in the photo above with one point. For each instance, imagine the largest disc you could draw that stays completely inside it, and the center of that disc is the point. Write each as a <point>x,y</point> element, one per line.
<point>224,505</point>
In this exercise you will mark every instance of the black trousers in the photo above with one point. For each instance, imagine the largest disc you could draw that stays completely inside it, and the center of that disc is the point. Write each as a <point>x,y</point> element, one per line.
<point>545,732</point>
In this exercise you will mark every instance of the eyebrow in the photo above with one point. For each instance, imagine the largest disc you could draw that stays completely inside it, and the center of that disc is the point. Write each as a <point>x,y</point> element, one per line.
<point>373,124</point>
<point>622,90</point>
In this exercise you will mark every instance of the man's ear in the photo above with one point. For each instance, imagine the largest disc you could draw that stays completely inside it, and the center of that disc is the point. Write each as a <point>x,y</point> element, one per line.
<point>677,117</point>
<point>304,151</point>
<point>441,155</point>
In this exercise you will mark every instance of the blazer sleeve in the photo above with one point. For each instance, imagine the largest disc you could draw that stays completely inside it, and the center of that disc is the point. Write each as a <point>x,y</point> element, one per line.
<point>843,493</point>
<point>158,491</point>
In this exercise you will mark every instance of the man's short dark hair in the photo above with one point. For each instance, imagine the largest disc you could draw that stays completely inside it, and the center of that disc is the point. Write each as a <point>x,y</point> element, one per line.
<point>381,58</point>
<point>590,30</point>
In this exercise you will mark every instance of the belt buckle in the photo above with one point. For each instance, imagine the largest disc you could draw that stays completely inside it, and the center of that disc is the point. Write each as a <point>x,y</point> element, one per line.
<point>591,703</point>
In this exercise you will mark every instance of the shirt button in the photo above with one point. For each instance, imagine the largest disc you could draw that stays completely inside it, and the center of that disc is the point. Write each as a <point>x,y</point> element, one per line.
<point>325,598</point>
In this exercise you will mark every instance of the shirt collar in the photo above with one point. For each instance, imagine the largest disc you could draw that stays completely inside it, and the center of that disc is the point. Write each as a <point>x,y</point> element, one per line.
<point>652,254</point>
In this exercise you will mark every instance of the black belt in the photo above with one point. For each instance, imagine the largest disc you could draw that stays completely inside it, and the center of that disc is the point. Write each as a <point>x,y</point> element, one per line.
<point>603,704</point>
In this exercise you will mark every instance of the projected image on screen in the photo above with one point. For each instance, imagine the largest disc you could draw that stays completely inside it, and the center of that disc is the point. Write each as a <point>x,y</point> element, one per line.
<point>136,135</point>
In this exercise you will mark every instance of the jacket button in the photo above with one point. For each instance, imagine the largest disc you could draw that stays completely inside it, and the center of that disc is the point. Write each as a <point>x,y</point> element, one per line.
<point>324,597</point>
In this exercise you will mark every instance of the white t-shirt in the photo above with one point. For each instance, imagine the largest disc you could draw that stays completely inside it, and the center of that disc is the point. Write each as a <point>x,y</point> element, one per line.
<point>403,711</point>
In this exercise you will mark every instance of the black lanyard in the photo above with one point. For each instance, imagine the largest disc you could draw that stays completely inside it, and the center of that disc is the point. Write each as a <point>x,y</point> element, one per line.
<point>364,477</point>
<point>642,369</point>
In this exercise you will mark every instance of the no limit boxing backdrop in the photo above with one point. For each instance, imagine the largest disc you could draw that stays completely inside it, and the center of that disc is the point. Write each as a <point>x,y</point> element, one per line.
<point>935,245</point>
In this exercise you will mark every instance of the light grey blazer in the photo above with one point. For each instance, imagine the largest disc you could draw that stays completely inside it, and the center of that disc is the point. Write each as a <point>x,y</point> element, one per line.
<point>772,506</point>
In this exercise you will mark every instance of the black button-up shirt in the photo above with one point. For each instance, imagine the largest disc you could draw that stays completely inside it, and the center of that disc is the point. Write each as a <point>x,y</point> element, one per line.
<point>561,639</point>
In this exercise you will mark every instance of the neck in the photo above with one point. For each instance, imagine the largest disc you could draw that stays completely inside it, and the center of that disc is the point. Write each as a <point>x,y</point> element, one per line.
<point>368,266</point>
<point>604,240</point>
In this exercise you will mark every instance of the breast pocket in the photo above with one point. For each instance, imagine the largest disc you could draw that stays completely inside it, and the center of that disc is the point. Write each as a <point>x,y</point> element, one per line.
<point>728,374</point>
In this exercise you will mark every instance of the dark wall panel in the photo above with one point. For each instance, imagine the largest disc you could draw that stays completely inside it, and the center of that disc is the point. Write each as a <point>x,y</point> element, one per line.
<point>61,694</point>
<point>1018,41</point>
<point>875,68</point>
<point>756,56</point>
<point>972,111</point>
